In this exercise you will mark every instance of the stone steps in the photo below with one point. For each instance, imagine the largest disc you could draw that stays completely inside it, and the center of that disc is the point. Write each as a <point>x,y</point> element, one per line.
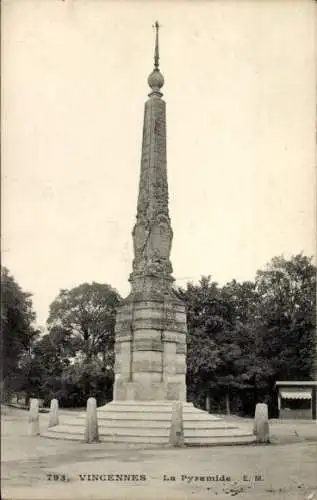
<point>154,424</point>
<point>64,436</point>
<point>151,432</point>
<point>220,440</point>
<point>149,416</point>
<point>147,406</point>
<point>155,440</point>
<point>144,410</point>
<point>141,427</point>
<point>66,429</point>
<point>155,430</point>
<point>148,423</point>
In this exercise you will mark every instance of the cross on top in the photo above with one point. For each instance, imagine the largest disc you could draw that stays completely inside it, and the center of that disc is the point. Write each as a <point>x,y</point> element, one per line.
<point>157,26</point>
<point>156,52</point>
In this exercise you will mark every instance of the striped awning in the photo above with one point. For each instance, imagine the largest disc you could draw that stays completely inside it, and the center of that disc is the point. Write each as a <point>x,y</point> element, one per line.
<point>295,394</point>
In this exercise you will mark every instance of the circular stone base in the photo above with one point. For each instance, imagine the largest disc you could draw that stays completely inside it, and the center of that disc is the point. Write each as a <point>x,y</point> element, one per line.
<point>148,423</point>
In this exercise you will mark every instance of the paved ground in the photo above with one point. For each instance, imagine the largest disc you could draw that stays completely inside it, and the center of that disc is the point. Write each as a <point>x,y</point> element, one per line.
<point>285,469</point>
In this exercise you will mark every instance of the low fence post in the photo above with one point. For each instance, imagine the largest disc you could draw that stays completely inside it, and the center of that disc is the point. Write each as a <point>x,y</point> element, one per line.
<point>91,428</point>
<point>261,423</point>
<point>176,437</point>
<point>34,420</point>
<point>53,416</point>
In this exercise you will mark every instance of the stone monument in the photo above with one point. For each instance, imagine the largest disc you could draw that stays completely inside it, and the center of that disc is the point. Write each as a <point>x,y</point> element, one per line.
<point>150,333</point>
<point>150,345</point>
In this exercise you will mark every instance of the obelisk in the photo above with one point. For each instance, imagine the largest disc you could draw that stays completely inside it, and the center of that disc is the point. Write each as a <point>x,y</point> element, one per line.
<point>150,335</point>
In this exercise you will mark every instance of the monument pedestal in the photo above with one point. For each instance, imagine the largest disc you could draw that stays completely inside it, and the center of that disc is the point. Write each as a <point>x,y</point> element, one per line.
<point>150,349</point>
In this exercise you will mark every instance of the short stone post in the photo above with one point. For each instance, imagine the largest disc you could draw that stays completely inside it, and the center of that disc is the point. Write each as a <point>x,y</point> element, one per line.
<point>177,430</point>
<point>53,416</point>
<point>91,428</point>
<point>261,423</point>
<point>207,403</point>
<point>34,419</point>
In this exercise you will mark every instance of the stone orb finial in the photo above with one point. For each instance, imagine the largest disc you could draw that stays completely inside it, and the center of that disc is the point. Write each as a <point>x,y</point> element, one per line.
<point>156,80</point>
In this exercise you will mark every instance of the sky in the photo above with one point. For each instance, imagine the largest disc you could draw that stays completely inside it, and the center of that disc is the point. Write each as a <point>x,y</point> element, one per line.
<point>240,80</point>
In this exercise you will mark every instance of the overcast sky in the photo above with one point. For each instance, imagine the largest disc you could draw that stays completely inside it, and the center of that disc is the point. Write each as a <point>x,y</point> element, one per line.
<point>240,90</point>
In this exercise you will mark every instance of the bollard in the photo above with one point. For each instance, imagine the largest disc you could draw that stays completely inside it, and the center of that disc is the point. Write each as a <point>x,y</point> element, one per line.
<point>34,420</point>
<point>177,431</point>
<point>53,416</point>
<point>207,404</point>
<point>261,423</point>
<point>91,428</point>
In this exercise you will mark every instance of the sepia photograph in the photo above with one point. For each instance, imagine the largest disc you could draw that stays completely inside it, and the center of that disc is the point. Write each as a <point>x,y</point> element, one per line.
<point>158,278</point>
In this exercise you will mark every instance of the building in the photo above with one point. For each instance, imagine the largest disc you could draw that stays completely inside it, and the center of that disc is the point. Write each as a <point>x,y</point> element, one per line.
<point>297,399</point>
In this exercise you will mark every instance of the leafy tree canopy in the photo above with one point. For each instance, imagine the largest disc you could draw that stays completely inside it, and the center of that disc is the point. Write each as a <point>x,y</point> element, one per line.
<point>83,319</point>
<point>17,326</point>
<point>286,326</point>
<point>250,334</point>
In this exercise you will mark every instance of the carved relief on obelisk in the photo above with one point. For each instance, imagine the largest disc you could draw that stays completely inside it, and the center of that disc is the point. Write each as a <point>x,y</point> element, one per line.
<point>152,233</point>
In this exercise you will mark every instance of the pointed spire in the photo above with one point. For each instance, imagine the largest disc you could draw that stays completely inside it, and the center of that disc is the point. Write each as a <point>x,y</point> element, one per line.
<point>156,79</point>
<point>156,53</point>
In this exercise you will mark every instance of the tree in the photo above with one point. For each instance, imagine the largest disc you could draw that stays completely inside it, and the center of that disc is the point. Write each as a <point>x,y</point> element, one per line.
<point>215,339</point>
<point>287,329</point>
<point>17,328</point>
<point>81,380</point>
<point>42,368</point>
<point>249,377</point>
<point>202,354</point>
<point>82,321</point>
<point>242,337</point>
